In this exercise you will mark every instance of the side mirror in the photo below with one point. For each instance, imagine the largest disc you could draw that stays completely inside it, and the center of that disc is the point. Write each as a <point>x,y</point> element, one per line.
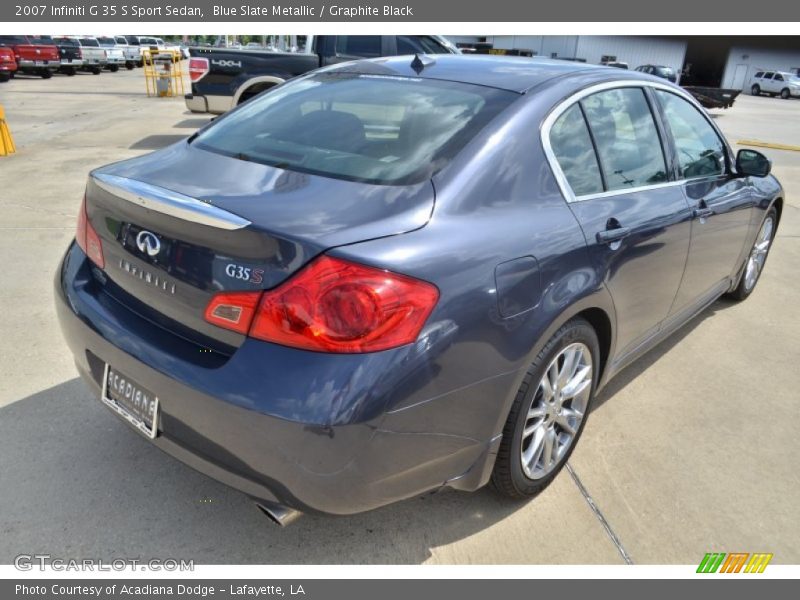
<point>750,163</point>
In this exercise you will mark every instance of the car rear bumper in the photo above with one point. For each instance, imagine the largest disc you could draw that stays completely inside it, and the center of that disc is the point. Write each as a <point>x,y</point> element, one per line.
<point>39,64</point>
<point>211,104</point>
<point>72,62</point>
<point>332,449</point>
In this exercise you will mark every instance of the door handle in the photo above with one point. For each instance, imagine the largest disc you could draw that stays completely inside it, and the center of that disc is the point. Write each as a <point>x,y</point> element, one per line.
<point>612,235</point>
<point>702,211</point>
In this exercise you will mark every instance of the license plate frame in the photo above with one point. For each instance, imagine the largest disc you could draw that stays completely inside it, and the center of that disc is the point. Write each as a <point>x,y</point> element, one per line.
<point>135,419</point>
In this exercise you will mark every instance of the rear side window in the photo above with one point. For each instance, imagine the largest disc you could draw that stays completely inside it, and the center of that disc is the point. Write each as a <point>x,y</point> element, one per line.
<point>778,77</point>
<point>627,140</point>
<point>572,146</point>
<point>760,74</point>
<point>701,152</point>
<point>358,45</point>
<point>359,127</point>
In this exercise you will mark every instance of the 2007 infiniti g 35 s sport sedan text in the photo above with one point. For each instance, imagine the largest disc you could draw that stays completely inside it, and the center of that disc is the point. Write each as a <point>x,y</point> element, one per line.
<point>398,274</point>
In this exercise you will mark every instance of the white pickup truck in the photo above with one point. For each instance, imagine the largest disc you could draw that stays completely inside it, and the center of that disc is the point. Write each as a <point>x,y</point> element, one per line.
<point>93,56</point>
<point>118,55</point>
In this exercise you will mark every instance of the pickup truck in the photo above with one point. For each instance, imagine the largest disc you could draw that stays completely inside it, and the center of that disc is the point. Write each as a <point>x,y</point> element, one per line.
<point>114,54</point>
<point>32,58</point>
<point>8,64</point>
<point>68,50</point>
<point>131,52</point>
<point>94,57</point>
<point>223,77</point>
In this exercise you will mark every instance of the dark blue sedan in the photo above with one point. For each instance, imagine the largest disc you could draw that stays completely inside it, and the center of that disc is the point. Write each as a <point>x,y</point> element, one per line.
<point>390,276</point>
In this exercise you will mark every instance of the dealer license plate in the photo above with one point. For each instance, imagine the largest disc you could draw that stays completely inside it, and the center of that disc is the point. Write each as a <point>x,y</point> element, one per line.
<point>131,401</point>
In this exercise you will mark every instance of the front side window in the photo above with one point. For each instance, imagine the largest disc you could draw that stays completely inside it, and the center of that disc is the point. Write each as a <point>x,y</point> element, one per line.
<point>358,127</point>
<point>626,137</point>
<point>574,152</point>
<point>700,151</point>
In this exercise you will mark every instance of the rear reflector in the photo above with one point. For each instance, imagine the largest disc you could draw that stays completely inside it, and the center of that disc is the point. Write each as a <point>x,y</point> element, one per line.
<point>198,67</point>
<point>331,305</point>
<point>87,238</point>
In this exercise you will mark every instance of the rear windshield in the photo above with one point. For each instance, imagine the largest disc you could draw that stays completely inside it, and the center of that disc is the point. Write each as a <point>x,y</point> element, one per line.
<point>90,42</point>
<point>13,39</point>
<point>107,41</point>
<point>67,42</point>
<point>132,40</point>
<point>665,71</point>
<point>41,39</point>
<point>371,128</point>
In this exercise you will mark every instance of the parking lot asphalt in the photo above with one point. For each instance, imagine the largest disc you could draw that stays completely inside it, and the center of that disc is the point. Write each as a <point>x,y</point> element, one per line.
<point>692,449</point>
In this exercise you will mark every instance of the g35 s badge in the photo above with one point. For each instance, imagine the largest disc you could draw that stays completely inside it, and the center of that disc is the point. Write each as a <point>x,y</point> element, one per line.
<point>244,273</point>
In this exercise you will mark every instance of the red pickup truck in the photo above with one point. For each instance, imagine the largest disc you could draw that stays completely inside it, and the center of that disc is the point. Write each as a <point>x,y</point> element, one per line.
<point>36,59</point>
<point>7,64</point>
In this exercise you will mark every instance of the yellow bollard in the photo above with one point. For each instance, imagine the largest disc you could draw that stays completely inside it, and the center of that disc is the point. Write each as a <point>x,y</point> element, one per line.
<point>6,141</point>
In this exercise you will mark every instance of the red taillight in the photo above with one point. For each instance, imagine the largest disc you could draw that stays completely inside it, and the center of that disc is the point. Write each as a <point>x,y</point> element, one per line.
<point>337,306</point>
<point>87,238</point>
<point>198,67</point>
<point>233,310</point>
<point>331,305</point>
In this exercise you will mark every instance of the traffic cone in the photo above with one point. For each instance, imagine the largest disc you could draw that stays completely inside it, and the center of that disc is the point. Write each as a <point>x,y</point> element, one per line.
<point>6,141</point>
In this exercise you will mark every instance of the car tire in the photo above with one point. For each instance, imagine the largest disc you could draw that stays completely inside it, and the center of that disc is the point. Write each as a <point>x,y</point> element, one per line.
<point>755,90</point>
<point>113,68</point>
<point>757,258</point>
<point>96,70</point>
<point>69,71</point>
<point>546,416</point>
<point>4,77</point>
<point>786,94</point>
<point>130,66</point>
<point>46,74</point>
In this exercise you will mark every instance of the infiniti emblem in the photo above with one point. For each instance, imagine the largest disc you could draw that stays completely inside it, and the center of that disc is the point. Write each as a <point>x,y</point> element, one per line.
<point>148,243</point>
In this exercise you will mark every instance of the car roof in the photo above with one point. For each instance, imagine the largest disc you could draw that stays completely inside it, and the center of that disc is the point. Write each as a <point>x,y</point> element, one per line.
<point>513,73</point>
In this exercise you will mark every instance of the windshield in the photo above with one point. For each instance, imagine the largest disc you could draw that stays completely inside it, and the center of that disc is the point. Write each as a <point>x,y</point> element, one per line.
<point>371,128</point>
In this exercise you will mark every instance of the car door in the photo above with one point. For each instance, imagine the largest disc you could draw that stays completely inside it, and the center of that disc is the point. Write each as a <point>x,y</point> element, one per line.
<point>635,219</point>
<point>721,202</point>
<point>767,84</point>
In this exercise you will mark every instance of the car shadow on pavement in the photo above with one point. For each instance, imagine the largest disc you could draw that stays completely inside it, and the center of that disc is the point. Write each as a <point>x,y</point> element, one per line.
<point>639,366</point>
<point>192,123</point>
<point>78,482</point>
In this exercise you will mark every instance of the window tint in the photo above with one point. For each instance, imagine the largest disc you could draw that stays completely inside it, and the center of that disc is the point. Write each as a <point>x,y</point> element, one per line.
<point>358,45</point>
<point>627,140</point>
<point>411,44</point>
<point>385,130</point>
<point>700,150</point>
<point>573,148</point>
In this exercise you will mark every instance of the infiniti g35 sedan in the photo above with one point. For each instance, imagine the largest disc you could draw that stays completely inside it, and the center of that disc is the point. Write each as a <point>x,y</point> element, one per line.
<point>391,276</point>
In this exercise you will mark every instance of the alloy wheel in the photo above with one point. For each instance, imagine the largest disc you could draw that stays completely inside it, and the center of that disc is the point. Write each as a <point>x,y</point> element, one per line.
<point>556,411</point>
<point>758,255</point>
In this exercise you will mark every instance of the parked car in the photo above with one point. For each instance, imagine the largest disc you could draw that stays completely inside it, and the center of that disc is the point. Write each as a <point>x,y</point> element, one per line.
<point>94,57</point>
<point>133,41</point>
<point>279,301</point>
<point>616,64</point>
<point>775,83</point>
<point>119,55</point>
<point>8,64</point>
<point>223,78</point>
<point>667,73</point>
<point>32,58</point>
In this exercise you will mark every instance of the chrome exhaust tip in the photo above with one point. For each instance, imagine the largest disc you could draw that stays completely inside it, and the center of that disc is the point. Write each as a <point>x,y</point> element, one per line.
<point>282,515</point>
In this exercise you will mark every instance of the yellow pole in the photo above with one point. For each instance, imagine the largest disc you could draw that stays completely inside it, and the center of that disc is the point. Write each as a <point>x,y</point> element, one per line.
<point>6,141</point>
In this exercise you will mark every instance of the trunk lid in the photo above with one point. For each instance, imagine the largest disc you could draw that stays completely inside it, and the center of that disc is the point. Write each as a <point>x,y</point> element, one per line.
<point>37,52</point>
<point>181,224</point>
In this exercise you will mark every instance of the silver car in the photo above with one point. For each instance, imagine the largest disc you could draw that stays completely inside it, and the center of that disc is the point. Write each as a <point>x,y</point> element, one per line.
<point>775,83</point>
